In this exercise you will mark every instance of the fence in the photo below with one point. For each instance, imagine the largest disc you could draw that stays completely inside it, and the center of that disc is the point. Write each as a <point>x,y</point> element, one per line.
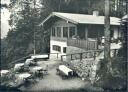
<point>84,44</point>
<point>88,54</point>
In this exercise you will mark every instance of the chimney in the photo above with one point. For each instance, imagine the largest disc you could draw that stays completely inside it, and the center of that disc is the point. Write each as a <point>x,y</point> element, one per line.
<point>95,13</point>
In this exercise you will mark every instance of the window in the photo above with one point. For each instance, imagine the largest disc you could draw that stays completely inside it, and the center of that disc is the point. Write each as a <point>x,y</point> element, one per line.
<point>65,31</point>
<point>71,31</point>
<point>53,31</point>
<point>57,48</point>
<point>64,49</point>
<point>58,31</point>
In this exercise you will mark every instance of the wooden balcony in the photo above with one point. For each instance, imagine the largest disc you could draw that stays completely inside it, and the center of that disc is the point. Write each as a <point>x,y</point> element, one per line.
<point>58,39</point>
<point>84,44</point>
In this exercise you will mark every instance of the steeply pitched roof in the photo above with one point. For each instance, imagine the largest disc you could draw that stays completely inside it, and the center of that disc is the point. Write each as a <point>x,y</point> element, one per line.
<point>83,18</point>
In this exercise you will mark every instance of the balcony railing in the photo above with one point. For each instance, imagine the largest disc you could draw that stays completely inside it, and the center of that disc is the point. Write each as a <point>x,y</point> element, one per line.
<point>84,44</point>
<point>59,39</point>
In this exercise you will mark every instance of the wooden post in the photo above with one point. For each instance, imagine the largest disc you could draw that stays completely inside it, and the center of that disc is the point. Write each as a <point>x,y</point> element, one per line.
<point>68,33</point>
<point>86,33</point>
<point>61,32</point>
<point>48,55</point>
<point>97,44</point>
<point>115,52</point>
<point>55,31</point>
<point>61,58</point>
<point>34,42</point>
<point>80,56</point>
<point>57,55</point>
<point>76,30</point>
<point>107,31</point>
<point>94,55</point>
<point>71,56</point>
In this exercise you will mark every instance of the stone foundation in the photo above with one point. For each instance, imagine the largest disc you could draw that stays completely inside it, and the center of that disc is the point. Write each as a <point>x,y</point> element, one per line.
<point>86,68</point>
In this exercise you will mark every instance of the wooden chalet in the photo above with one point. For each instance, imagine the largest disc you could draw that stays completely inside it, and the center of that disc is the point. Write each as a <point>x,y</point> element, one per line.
<point>77,30</point>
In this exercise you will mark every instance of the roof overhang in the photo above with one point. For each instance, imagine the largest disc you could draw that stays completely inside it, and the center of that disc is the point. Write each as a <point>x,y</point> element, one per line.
<point>55,14</point>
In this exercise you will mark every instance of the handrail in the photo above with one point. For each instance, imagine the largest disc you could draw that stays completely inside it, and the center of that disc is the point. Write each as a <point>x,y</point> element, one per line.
<point>81,54</point>
<point>84,52</point>
<point>89,51</point>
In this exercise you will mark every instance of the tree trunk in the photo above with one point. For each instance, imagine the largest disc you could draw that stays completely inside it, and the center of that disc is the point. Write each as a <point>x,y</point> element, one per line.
<point>107,34</point>
<point>107,31</point>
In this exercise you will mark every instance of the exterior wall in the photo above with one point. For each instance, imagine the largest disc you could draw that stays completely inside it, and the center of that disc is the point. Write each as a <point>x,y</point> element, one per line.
<point>95,31</point>
<point>98,30</point>
<point>58,43</point>
<point>63,23</point>
<point>71,50</point>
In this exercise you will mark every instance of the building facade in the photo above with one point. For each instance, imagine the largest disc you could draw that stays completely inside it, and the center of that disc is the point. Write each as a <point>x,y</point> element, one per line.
<point>78,30</point>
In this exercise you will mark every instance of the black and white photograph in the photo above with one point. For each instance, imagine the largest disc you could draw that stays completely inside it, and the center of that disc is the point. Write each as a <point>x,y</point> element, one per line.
<point>64,46</point>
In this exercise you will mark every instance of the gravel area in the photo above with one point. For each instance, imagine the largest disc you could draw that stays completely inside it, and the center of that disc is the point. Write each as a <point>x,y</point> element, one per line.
<point>55,82</point>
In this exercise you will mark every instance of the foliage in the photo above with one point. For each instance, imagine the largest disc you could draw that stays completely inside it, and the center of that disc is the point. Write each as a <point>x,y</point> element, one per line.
<point>3,54</point>
<point>117,77</point>
<point>20,38</point>
<point>116,73</point>
<point>118,7</point>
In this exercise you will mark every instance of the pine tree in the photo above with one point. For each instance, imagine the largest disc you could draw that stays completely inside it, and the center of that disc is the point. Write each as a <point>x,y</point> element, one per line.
<point>20,38</point>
